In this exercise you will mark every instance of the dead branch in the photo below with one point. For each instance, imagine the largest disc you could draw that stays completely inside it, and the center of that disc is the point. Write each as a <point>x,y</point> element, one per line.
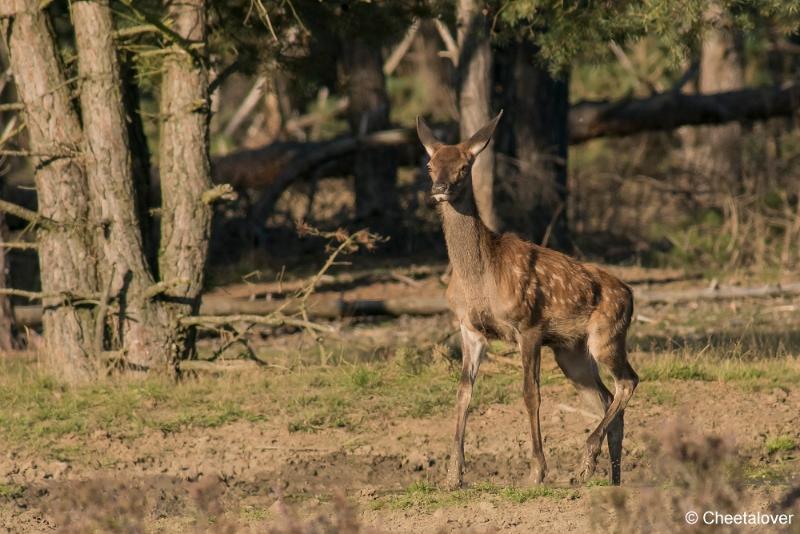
<point>450,44</point>
<point>218,192</point>
<point>14,106</point>
<point>19,245</point>
<point>162,287</point>
<point>133,31</point>
<point>38,295</point>
<point>219,366</point>
<point>400,50</point>
<point>248,104</point>
<point>272,319</point>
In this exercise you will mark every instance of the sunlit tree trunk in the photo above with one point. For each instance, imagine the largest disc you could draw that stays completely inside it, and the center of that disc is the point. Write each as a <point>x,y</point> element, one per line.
<point>474,100</point>
<point>66,255</point>
<point>716,151</point>
<point>184,167</point>
<point>142,331</point>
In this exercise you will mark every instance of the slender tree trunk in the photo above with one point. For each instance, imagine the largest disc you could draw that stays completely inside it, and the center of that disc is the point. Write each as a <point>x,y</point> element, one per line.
<point>535,186</point>
<point>185,168</point>
<point>375,169</point>
<point>716,151</point>
<point>66,254</point>
<point>142,329</point>
<point>474,100</point>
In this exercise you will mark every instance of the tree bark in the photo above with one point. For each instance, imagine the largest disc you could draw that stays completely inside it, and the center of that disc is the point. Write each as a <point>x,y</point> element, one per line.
<point>66,254</point>
<point>716,151</point>
<point>375,169</point>
<point>143,330</point>
<point>535,185</point>
<point>474,100</point>
<point>185,167</point>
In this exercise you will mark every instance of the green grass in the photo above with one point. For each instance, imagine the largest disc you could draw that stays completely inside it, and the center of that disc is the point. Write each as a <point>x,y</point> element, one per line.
<point>424,496</point>
<point>780,444</point>
<point>11,491</point>
<point>39,412</point>
<point>752,374</point>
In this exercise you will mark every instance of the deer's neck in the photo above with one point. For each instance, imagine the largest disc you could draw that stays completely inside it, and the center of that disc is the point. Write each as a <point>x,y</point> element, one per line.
<point>468,244</point>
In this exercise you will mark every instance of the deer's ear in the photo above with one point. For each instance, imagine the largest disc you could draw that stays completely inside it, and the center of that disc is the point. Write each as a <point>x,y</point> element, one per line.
<point>481,138</point>
<point>426,136</point>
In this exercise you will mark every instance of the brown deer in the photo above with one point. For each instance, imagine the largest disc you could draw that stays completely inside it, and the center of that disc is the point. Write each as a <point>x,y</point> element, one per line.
<point>507,288</point>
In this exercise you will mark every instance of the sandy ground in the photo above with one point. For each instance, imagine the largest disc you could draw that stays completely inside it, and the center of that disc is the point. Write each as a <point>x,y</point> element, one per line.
<point>257,476</point>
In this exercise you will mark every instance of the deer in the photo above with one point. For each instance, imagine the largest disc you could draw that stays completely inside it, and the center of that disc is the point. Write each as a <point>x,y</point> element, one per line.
<point>503,287</point>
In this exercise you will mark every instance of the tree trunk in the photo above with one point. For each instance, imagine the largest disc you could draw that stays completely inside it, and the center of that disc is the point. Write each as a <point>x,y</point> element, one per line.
<point>375,169</point>
<point>535,185</point>
<point>66,255</point>
<point>715,152</point>
<point>143,330</point>
<point>185,168</point>
<point>474,100</point>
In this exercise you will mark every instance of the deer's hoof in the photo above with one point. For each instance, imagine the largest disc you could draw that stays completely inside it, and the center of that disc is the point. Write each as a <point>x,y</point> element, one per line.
<point>589,466</point>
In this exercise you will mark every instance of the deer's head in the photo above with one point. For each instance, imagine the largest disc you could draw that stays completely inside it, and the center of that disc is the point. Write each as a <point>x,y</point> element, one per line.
<point>450,166</point>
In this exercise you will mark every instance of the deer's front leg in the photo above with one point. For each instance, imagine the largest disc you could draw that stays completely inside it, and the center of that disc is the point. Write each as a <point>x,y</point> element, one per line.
<point>473,346</point>
<point>530,346</point>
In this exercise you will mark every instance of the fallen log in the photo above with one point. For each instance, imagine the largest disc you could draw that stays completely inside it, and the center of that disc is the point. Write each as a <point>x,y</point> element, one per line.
<point>432,305</point>
<point>670,110</point>
<point>720,293</point>
<point>281,162</point>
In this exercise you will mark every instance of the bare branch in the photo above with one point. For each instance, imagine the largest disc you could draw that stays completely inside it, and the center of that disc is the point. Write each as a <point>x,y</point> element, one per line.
<point>219,192</point>
<point>268,320</point>
<point>135,30</point>
<point>401,49</point>
<point>12,107</point>
<point>248,104</point>
<point>449,43</point>
<point>19,245</point>
<point>162,287</point>
<point>38,295</point>
<point>32,154</point>
<point>26,214</point>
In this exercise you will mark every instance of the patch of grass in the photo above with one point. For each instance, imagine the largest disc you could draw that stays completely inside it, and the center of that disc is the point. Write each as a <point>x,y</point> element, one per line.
<point>752,374</point>
<point>253,513</point>
<point>598,482</point>
<point>766,473</point>
<point>674,370</point>
<point>424,496</point>
<point>11,491</point>
<point>655,394</point>
<point>780,444</point>
<point>364,378</point>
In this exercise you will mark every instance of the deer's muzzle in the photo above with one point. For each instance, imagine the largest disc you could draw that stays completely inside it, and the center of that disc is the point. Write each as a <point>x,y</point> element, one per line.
<point>440,192</point>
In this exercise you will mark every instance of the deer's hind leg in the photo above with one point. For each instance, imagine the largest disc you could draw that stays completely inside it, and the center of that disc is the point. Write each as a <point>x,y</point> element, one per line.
<point>473,346</point>
<point>610,351</point>
<point>581,369</point>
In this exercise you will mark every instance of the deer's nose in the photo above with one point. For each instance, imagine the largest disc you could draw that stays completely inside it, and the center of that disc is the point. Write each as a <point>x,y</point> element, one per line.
<point>440,189</point>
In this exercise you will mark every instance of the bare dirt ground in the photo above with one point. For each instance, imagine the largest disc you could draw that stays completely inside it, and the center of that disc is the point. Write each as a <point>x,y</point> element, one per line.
<point>354,432</point>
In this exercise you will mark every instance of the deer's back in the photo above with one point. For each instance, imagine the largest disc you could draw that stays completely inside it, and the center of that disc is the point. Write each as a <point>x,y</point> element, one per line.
<point>528,286</point>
